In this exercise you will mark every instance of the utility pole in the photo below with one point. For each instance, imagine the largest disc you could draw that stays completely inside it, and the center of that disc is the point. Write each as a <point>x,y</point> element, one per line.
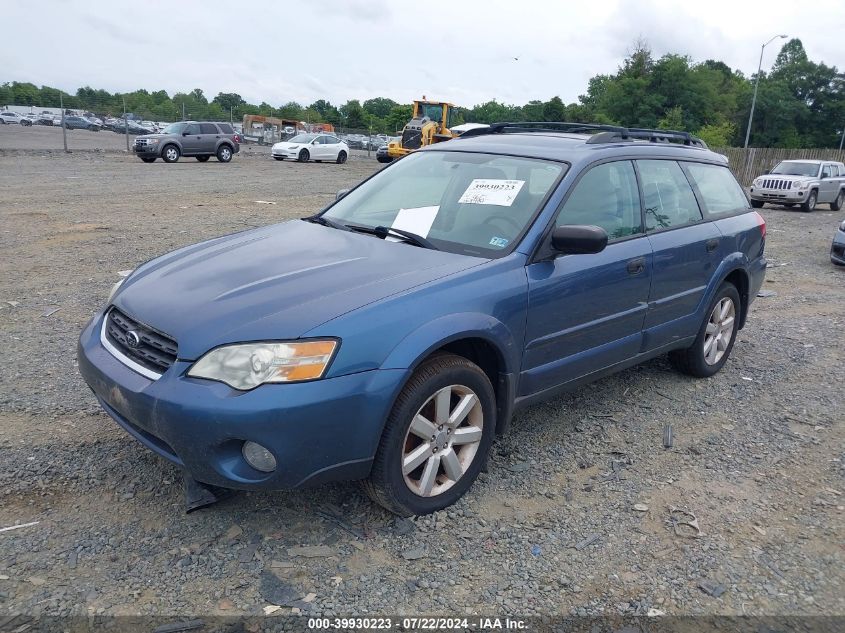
<point>756,82</point>
<point>183,110</point>
<point>841,138</point>
<point>125,124</point>
<point>231,118</point>
<point>64,127</point>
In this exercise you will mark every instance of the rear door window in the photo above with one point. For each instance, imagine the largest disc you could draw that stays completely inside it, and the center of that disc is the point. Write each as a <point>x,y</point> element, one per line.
<point>719,191</point>
<point>208,128</point>
<point>669,200</point>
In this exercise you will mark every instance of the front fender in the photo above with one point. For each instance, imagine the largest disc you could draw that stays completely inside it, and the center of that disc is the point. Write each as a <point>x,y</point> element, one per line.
<point>453,327</point>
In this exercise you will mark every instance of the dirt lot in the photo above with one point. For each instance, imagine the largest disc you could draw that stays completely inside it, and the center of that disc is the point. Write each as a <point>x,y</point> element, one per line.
<point>574,516</point>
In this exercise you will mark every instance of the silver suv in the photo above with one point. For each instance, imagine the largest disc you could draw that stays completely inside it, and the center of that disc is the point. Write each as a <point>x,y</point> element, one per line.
<point>202,140</point>
<point>801,182</point>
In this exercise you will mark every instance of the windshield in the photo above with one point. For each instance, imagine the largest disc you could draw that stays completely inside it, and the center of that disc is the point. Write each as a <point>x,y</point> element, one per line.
<point>473,204</point>
<point>432,111</point>
<point>793,168</point>
<point>174,128</point>
<point>302,138</point>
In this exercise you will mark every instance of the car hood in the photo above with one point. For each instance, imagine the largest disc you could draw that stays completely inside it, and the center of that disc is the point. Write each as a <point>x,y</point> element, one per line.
<point>278,282</point>
<point>286,145</point>
<point>787,177</point>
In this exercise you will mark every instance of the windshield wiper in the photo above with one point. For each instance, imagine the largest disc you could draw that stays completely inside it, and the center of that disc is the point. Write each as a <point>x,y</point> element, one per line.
<point>384,231</point>
<point>324,221</point>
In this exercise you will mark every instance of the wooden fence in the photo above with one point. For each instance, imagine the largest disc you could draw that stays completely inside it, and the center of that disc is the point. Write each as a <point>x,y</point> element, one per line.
<point>747,164</point>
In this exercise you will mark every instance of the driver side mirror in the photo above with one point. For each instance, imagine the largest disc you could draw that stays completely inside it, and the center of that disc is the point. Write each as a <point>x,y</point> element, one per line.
<point>341,193</point>
<point>578,239</point>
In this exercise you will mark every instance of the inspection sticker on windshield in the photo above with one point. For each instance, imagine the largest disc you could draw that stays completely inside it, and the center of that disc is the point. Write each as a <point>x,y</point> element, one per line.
<point>492,191</point>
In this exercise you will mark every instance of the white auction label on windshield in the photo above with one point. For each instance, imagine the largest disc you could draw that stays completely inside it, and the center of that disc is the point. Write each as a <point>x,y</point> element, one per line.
<point>492,191</point>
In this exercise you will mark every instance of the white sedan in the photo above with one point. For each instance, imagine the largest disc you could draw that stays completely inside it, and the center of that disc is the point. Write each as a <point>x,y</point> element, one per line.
<point>316,147</point>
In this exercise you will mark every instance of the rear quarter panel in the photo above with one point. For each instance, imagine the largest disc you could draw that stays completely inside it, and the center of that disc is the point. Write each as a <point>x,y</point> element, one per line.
<point>742,248</point>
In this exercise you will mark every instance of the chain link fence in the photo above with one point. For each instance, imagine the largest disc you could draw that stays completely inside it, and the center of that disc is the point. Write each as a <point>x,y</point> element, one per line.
<point>103,124</point>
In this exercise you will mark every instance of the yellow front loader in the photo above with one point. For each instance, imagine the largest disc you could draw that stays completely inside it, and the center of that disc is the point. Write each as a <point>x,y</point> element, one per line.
<point>429,124</point>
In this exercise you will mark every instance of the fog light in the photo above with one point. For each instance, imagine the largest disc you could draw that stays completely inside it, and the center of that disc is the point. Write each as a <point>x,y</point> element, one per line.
<point>258,457</point>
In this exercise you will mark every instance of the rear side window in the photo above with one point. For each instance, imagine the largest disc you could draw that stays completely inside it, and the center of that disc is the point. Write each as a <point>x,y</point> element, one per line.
<point>208,128</point>
<point>606,196</point>
<point>720,192</point>
<point>669,200</point>
<point>225,128</point>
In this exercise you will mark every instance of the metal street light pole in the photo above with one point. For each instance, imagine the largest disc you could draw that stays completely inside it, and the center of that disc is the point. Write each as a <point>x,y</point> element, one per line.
<point>756,83</point>
<point>842,138</point>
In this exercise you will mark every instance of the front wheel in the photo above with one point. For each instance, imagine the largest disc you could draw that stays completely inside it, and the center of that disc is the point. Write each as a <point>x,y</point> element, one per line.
<point>170,154</point>
<point>757,204</point>
<point>836,205</point>
<point>716,337</point>
<point>436,438</point>
<point>341,157</point>
<point>303,156</point>
<point>810,203</point>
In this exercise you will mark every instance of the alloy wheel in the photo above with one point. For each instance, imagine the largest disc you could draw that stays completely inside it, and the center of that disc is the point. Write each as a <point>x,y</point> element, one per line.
<point>442,440</point>
<point>720,328</point>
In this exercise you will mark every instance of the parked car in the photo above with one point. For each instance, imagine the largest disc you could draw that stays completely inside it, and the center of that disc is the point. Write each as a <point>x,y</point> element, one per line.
<point>316,147</point>
<point>381,153</point>
<point>391,336</point>
<point>80,123</point>
<point>837,249</point>
<point>8,117</point>
<point>202,140</point>
<point>44,118</point>
<point>801,182</point>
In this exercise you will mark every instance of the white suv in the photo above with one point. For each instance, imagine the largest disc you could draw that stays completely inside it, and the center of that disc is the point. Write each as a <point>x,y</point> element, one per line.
<point>11,117</point>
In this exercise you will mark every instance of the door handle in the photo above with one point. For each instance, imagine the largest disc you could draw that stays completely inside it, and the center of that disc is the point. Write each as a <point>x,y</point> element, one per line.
<point>636,266</point>
<point>712,244</point>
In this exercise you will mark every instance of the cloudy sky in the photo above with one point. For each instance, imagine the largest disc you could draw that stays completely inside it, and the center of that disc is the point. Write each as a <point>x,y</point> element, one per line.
<point>462,51</point>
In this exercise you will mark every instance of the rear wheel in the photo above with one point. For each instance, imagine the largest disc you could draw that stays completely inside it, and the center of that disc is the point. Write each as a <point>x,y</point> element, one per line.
<point>224,154</point>
<point>202,159</point>
<point>170,154</point>
<point>148,159</point>
<point>303,156</point>
<point>436,438</point>
<point>341,157</point>
<point>836,205</point>
<point>715,340</point>
<point>810,203</point>
<point>757,204</point>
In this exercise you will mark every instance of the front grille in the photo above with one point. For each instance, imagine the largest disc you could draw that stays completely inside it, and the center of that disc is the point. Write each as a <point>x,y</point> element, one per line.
<point>773,183</point>
<point>154,351</point>
<point>411,139</point>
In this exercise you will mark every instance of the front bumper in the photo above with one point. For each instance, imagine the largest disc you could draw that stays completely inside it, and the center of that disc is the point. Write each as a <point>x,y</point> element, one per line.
<point>837,248</point>
<point>319,431</point>
<point>790,196</point>
<point>146,150</point>
<point>285,153</point>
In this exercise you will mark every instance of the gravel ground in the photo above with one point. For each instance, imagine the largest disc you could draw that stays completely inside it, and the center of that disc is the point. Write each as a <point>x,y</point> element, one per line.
<point>575,515</point>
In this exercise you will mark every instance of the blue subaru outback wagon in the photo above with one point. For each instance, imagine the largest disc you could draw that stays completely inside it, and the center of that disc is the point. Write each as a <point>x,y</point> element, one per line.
<point>390,337</point>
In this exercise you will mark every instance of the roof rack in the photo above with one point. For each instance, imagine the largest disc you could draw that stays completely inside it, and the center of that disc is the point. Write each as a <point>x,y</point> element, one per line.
<point>600,133</point>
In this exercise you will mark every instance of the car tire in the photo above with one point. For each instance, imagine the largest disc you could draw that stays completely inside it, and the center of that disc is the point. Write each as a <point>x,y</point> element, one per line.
<point>341,157</point>
<point>303,156</point>
<point>224,153</point>
<point>701,359</point>
<point>202,159</point>
<point>26,123</point>
<point>757,204</point>
<point>836,205</point>
<point>170,153</point>
<point>810,203</point>
<point>148,159</point>
<point>440,474</point>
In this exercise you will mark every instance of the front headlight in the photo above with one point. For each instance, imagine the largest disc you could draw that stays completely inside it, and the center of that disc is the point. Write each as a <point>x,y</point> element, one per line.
<point>152,141</point>
<point>124,274</point>
<point>800,184</point>
<point>757,182</point>
<point>247,365</point>
<point>842,226</point>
